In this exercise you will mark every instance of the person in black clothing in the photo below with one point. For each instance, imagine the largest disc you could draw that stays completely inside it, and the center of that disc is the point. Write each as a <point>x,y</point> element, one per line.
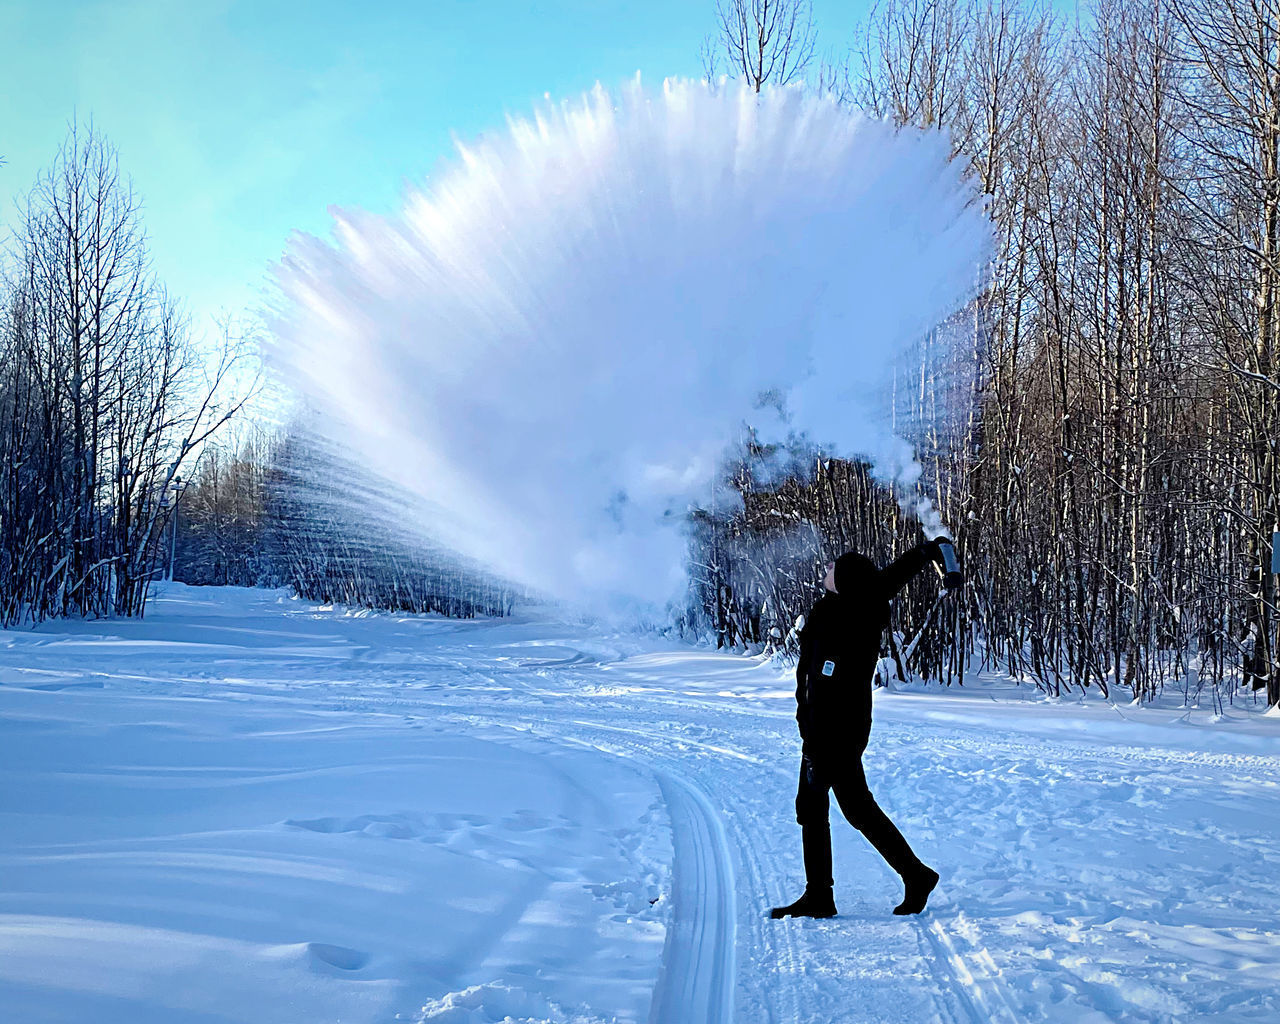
<point>839,649</point>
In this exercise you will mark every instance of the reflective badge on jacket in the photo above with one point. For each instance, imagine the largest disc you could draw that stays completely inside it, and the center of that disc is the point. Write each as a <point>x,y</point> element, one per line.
<point>828,668</point>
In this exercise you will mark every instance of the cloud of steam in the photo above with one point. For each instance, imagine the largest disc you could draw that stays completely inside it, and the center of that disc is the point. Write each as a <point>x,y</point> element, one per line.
<point>553,344</point>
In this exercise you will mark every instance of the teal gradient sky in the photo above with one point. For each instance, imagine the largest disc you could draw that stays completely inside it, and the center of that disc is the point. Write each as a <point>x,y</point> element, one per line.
<point>242,121</point>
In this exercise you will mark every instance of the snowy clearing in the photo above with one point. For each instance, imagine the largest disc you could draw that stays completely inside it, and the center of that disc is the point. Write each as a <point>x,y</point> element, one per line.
<point>247,808</point>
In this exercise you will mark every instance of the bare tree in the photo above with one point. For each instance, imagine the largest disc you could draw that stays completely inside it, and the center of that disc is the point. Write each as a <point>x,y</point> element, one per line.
<point>1232,64</point>
<point>103,399</point>
<point>909,63</point>
<point>766,41</point>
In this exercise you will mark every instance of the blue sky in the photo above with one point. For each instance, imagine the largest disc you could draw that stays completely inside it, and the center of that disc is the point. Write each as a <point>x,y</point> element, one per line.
<point>243,120</point>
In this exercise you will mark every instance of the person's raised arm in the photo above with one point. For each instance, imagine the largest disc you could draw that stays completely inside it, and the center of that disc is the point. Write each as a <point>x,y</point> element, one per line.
<point>896,575</point>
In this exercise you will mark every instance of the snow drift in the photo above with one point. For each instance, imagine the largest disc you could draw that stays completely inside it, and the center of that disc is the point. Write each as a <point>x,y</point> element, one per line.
<point>552,345</point>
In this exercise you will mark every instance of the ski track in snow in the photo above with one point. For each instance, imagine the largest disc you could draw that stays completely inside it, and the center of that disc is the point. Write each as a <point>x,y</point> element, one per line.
<point>696,982</point>
<point>1090,874</point>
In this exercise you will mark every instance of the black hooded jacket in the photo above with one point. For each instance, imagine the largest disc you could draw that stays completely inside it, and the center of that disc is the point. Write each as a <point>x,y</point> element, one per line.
<point>839,648</point>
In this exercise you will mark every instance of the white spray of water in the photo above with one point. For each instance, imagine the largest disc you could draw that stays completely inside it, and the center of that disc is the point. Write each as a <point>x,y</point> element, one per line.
<point>554,344</point>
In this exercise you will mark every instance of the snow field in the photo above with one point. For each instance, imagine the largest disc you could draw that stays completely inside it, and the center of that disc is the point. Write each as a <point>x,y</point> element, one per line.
<point>169,857</point>
<point>250,808</point>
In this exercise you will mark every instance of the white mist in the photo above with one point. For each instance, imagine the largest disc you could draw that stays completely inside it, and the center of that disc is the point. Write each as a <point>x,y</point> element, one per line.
<point>553,343</point>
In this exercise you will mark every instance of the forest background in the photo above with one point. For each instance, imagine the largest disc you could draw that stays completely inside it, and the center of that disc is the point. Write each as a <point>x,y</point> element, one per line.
<point>1111,480</point>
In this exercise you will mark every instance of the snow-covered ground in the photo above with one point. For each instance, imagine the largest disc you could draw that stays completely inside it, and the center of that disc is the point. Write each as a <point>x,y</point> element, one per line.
<point>249,809</point>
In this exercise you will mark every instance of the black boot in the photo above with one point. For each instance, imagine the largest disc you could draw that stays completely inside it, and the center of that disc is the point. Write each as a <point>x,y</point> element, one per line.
<point>816,902</point>
<point>816,840</point>
<point>919,884</point>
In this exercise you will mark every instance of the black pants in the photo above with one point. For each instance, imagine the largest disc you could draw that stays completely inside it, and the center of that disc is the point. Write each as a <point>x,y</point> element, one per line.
<point>813,811</point>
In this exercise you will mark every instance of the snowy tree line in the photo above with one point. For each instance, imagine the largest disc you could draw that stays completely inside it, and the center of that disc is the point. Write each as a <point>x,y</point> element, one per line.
<point>104,399</point>
<point>279,508</point>
<point>1114,493</point>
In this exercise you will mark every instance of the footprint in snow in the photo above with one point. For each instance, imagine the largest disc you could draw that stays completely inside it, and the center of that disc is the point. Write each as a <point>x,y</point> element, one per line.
<point>382,826</point>
<point>341,957</point>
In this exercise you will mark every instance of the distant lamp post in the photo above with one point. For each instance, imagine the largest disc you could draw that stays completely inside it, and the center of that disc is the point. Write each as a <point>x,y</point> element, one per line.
<point>178,488</point>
